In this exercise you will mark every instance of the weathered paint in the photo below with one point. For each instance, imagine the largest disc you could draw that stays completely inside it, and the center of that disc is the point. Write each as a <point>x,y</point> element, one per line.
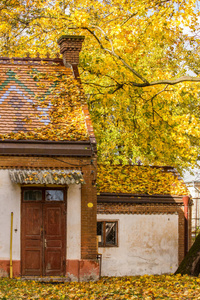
<point>5,268</point>
<point>74,222</point>
<point>10,201</point>
<point>147,244</point>
<point>82,270</point>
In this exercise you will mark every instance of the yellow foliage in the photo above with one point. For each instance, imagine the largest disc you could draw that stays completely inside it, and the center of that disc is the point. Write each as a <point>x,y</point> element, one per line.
<point>132,50</point>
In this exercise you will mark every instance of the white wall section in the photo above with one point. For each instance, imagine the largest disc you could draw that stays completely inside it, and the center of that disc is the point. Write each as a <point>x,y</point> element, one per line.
<point>147,244</point>
<point>74,222</point>
<point>10,201</point>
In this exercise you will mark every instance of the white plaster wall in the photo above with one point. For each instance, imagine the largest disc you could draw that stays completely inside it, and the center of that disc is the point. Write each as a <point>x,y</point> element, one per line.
<point>10,201</point>
<point>148,244</point>
<point>74,222</point>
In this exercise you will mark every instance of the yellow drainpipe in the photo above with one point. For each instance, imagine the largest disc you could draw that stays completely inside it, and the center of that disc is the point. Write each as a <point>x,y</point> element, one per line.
<point>11,236</point>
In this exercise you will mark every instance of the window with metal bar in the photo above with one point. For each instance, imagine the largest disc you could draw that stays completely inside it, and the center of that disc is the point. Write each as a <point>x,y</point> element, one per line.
<point>107,233</point>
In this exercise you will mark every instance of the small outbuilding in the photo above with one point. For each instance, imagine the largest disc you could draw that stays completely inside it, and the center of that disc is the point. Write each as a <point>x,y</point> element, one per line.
<point>143,220</point>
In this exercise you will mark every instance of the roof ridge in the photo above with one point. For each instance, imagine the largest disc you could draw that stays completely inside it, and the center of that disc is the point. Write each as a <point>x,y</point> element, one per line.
<point>28,60</point>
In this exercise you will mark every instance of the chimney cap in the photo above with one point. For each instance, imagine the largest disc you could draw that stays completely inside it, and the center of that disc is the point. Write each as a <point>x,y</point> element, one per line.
<point>74,37</point>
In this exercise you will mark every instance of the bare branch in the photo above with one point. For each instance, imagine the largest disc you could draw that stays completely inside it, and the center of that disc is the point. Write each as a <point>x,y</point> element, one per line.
<point>167,81</point>
<point>175,81</point>
<point>130,17</point>
<point>99,85</point>
<point>159,92</point>
<point>152,98</point>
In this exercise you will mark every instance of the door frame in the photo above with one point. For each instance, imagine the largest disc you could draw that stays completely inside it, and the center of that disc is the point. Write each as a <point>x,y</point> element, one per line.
<point>43,188</point>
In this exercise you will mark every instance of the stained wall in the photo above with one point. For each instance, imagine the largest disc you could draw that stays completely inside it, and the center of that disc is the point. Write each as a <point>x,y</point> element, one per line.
<point>147,244</point>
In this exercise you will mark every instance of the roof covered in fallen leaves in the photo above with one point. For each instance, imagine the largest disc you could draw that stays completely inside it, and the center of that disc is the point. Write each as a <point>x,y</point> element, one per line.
<point>134,179</point>
<point>41,100</point>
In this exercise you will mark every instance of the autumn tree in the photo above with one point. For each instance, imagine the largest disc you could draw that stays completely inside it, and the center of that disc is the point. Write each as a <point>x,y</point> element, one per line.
<point>134,67</point>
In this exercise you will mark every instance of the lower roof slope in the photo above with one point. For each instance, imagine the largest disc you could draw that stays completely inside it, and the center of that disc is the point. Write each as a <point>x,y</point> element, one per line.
<point>139,180</point>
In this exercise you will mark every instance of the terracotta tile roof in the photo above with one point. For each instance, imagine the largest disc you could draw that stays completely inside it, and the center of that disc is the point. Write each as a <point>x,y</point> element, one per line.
<point>19,89</point>
<point>134,179</point>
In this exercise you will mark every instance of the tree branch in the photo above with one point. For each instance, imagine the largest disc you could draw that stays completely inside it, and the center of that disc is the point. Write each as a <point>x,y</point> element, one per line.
<point>158,93</point>
<point>112,52</point>
<point>175,81</point>
<point>130,17</point>
<point>145,82</point>
<point>167,81</point>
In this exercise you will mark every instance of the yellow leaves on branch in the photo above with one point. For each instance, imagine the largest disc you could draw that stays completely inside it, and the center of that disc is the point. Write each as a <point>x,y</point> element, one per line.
<point>160,127</point>
<point>139,180</point>
<point>125,44</point>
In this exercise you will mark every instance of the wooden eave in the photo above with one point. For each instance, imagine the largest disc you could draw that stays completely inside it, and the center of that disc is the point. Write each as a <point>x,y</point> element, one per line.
<point>46,148</point>
<point>139,199</point>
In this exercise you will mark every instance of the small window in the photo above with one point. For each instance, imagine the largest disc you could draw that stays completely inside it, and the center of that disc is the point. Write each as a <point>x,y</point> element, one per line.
<point>32,195</point>
<point>107,233</point>
<point>54,195</point>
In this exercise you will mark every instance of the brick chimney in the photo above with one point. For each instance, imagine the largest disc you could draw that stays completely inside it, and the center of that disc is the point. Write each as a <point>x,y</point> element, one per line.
<point>70,46</point>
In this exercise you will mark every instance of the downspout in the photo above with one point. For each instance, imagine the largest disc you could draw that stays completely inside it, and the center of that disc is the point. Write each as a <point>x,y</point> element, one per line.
<point>99,258</point>
<point>186,238</point>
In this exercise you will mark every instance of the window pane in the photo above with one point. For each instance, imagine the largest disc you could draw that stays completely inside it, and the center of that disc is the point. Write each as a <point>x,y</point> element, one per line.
<point>111,231</point>
<point>33,195</point>
<point>54,195</point>
<point>100,232</point>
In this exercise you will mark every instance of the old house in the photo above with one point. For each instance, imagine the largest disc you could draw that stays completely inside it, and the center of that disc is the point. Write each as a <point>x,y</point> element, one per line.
<point>47,168</point>
<point>48,174</point>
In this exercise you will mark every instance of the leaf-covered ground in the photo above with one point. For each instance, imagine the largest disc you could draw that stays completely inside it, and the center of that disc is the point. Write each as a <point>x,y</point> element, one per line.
<point>137,287</point>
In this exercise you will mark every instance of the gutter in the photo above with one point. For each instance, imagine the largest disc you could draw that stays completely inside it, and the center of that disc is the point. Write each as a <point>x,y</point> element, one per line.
<point>186,235</point>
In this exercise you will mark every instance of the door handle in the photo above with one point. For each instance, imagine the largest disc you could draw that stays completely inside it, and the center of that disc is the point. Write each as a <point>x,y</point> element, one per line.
<point>45,243</point>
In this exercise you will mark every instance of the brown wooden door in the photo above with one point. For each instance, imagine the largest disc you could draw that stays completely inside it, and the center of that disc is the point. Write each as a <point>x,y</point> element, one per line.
<point>54,231</point>
<point>43,233</point>
<point>32,239</point>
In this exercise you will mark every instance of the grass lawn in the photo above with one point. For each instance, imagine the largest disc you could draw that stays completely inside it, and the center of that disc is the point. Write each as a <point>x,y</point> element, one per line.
<point>136,287</point>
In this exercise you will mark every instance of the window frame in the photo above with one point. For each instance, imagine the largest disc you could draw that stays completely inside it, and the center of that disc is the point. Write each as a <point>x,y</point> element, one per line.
<point>43,189</point>
<point>103,244</point>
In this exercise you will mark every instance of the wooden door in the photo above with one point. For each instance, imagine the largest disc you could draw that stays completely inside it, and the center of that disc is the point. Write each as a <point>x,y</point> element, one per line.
<point>54,232</point>
<point>32,239</point>
<point>43,232</point>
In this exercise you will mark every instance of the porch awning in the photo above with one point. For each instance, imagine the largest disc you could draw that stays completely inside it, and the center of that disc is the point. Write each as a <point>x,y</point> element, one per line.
<point>46,176</point>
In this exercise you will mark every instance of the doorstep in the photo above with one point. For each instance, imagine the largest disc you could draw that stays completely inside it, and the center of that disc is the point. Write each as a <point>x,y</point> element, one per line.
<point>46,279</point>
